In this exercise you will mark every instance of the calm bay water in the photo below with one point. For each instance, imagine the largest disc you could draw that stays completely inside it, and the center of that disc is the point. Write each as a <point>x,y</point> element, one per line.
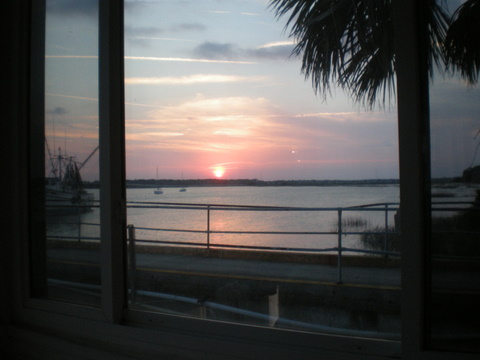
<point>252,221</point>
<point>147,221</point>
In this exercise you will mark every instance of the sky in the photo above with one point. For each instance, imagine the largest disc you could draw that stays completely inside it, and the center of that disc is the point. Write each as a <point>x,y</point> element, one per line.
<point>212,91</point>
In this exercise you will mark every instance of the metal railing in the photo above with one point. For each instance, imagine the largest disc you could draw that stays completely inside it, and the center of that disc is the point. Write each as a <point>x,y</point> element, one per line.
<point>339,231</point>
<point>386,208</point>
<point>388,229</point>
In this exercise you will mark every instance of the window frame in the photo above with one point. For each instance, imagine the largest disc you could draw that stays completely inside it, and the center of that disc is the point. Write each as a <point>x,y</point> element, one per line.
<point>113,215</point>
<point>413,132</point>
<point>120,330</point>
<point>415,179</point>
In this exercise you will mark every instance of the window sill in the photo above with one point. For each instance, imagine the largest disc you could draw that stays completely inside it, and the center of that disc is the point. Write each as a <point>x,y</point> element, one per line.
<point>150,335</point>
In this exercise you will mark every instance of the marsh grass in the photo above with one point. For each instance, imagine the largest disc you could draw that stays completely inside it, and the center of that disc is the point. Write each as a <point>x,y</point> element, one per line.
<point>457,235</point>
<point>352,223</point>
<point>374,239</point>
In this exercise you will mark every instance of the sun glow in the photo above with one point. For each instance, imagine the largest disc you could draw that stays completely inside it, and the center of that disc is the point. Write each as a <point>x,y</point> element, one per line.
<point>218,171</point>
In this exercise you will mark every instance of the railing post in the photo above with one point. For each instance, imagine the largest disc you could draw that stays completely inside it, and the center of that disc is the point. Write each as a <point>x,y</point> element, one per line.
<point>385,248</point>
<point>79,225</point>
<point>131,261</point>
<point>208,226</point>
<point>339,260</point>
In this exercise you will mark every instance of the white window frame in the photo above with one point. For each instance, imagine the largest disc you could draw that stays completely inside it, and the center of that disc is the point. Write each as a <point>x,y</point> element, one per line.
<point>116,331</point>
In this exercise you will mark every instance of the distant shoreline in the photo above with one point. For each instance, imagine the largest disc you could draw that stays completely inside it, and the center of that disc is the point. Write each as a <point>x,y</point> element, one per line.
<point>152,183</point>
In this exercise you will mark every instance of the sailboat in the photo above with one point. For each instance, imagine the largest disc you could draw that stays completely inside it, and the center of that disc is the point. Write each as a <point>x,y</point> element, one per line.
<point>158,190</point>
<point>183,189</point>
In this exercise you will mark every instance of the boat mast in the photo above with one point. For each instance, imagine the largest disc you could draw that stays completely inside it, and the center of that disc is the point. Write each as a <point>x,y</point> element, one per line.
<point>60,163</point>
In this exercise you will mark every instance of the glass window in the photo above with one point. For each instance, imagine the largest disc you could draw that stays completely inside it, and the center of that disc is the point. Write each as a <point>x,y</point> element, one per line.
<point>66,236</point>
<point>455,165</point>
<point>250,198</point>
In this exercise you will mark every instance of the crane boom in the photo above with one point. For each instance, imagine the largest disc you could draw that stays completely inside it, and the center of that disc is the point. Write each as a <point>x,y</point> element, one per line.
<point>88,158</point>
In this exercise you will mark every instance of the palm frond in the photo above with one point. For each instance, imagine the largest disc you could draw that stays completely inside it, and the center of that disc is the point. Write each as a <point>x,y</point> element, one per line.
<point>437,21</point>
<point>462,42</point>
<point>350,43</point>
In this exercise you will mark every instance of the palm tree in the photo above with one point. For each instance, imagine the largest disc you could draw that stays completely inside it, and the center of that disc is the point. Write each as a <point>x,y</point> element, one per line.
<point>462,43</point>
<point>349,42</point>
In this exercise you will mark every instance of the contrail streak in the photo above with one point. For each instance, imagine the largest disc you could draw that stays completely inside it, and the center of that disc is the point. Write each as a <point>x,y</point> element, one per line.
<point>151,58</point>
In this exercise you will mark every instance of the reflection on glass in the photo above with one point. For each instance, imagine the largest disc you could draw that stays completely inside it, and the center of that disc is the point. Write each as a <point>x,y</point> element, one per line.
<point>454,248</point>
<point>252,225</point>
<point>71,152</point>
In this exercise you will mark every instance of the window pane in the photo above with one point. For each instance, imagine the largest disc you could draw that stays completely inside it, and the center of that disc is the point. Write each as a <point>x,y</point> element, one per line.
<point>250,199</point>
<point>455,247</point>
<point>70,211</point>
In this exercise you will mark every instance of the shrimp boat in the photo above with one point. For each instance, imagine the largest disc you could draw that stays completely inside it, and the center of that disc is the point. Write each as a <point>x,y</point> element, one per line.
<point>64,190</point>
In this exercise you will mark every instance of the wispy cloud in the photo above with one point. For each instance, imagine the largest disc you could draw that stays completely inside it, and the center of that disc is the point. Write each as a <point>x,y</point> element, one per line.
<point>276,44</point>
<point>142,30</point>
<point>222,124</point>
<point>142,35</point>
<point>147,105</point>
<point>210,52</point>
<point>193,79</point>
<point>188,27</point>
<point>160,38</point>
<point>273,50</point>
<point>349,117</point>
<point>153,58</point>
<point>229,51</point>
<point>96,99</point>
<point>231,12</point>
<point>73,97</point>
<point>208,124</point>
<point>238,133</point>
<point>218,12</point>
<point>57,111</point>
<point>176,59</point>
<point>217,51</point>
<point>71,56</point>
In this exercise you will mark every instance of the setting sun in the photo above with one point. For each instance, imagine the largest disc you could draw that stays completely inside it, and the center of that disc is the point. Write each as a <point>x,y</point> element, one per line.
<point>218,171</point>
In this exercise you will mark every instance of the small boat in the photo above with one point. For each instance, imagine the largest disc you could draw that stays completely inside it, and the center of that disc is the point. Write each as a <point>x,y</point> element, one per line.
<point>183,189</point>
<point>159,190</point>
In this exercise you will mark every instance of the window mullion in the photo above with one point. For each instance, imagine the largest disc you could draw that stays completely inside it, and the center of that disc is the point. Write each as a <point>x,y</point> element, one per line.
<point>112,155</point>
<point>413,120</point>
<point>38,274</point>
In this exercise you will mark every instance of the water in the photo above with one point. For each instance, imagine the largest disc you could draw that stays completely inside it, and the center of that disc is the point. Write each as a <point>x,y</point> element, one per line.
<point>296,196</point>
<point>269,221</point>
<point>146,220</point>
